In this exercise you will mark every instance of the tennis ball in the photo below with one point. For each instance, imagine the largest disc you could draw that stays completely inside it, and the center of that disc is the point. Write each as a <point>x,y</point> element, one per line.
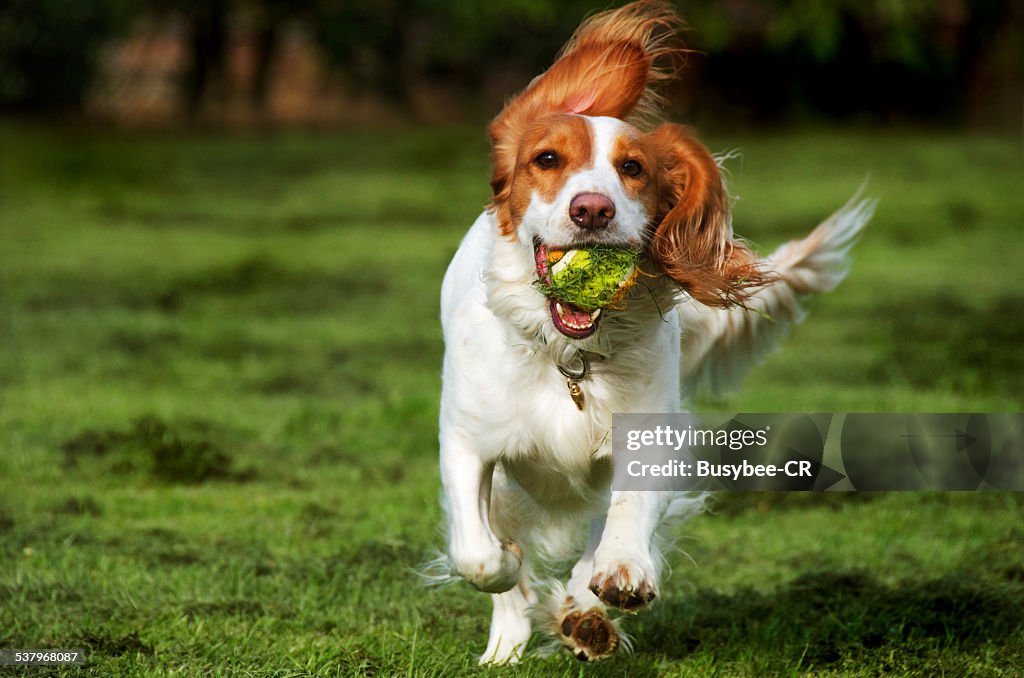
<point>591,277</point>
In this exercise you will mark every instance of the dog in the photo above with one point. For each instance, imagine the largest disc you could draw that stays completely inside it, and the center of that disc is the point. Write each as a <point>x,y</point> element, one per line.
<point>525,461</point>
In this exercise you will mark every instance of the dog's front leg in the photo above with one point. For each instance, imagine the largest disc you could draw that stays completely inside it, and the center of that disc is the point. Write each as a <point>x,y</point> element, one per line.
<point>485,561</point>
<point>625,569</point>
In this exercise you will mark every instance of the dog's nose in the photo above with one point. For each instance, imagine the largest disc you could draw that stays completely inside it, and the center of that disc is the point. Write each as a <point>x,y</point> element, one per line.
<point>591,210</point>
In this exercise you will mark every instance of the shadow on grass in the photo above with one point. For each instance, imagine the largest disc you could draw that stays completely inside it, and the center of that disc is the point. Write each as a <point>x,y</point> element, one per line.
<point>823,618</point>
<point>738,503</point>
<point>256,283</point>
<point>939,341</point>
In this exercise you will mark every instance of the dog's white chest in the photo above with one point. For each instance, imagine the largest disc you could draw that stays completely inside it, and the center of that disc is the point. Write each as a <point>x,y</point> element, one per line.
<point>552,426</point>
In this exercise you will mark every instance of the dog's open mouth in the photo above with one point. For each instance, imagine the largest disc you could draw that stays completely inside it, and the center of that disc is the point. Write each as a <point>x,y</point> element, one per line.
<point>569,319</point>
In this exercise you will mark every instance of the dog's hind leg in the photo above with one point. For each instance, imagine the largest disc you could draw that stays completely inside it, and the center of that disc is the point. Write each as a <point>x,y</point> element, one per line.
<point>510,625</point>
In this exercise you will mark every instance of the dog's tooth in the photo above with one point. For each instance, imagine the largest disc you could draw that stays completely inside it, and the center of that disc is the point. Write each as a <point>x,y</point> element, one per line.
<point>595,313</point>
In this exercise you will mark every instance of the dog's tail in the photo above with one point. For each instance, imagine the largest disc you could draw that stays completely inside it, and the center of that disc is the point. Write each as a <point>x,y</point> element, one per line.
<point>720,346</point>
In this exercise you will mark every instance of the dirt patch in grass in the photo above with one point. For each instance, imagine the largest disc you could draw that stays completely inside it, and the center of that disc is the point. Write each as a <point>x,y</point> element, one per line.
<point>139,344</point>
<point>317,520</point>
<point>112,645</point>
<point>225,608</point>
<point>184,453</point>
<point>7,523</point>
<point>175,557</point>
<point>79,506</point>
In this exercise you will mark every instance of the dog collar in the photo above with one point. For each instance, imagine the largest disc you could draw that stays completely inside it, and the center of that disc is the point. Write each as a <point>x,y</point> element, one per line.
<point>573,378</point>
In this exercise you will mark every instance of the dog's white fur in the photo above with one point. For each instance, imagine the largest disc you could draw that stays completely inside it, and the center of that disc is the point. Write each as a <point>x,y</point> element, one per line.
<point>526,475</point>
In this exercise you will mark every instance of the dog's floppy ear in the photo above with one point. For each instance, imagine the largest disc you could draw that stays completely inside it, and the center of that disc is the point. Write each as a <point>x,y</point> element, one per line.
<point>608,68</point>
<point>692,241</point>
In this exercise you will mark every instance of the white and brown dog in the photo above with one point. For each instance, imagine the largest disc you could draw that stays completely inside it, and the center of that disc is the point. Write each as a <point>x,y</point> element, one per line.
<point>525,468</point>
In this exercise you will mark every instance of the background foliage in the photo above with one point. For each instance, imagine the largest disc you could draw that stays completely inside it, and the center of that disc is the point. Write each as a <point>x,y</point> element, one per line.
<point>48,48</point>
<point>952,61</point>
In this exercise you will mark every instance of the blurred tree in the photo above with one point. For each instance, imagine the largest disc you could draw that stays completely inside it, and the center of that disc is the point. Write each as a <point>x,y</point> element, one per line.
<point>48,48</point>
<point>207,20</point>
<point>270,15</point>
<point>208,28</point>
<point>881,58</point>
<point>389,45</point>
<point>208,23</point>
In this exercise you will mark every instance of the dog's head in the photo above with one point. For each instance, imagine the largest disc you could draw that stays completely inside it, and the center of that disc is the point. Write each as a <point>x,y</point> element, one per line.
<point>568,170</point>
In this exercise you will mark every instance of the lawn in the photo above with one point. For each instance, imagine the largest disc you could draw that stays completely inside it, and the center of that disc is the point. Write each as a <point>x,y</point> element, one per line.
<point>219,380</point>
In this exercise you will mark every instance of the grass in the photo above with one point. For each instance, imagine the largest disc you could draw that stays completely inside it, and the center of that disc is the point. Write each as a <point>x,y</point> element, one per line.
<point>219,377</point>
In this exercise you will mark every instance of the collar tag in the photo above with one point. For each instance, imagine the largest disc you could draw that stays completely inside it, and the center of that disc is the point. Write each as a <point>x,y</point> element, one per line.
<point>576,393</point>
<point>573,383</point>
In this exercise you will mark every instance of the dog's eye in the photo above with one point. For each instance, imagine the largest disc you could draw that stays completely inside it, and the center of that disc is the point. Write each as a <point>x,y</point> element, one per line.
<point>546,160</point>
<point>631,168</point>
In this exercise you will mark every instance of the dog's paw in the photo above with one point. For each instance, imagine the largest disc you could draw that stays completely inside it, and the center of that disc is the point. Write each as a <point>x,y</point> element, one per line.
<point>627,584</point>
<point>590,635</point>
<point>494,571</point>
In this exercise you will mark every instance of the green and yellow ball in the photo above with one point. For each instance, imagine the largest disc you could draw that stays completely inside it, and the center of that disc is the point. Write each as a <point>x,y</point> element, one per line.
<point>589,277</point>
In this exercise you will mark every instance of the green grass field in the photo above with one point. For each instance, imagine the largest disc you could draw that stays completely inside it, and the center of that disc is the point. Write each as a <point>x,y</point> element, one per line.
<point>219,381</point>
